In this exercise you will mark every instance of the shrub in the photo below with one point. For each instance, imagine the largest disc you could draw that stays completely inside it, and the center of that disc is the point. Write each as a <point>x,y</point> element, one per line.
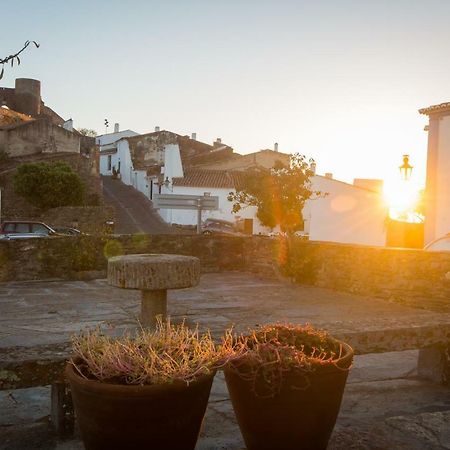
<point>49,185</point>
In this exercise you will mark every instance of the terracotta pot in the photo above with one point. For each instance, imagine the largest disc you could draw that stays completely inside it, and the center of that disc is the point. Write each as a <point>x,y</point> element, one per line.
<point>112,416</point>
<point>301,416</point>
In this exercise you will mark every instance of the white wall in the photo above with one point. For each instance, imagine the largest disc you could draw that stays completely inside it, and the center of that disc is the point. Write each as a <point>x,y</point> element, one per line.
<point>109,143</point>
<point>442,179</point>
<point>348,214</point>
<point>106,139</point>
<point>189,217</point>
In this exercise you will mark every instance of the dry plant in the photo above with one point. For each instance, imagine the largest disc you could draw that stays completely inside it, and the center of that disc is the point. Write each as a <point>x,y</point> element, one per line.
<point>271,353</point>
<point>169,353</point>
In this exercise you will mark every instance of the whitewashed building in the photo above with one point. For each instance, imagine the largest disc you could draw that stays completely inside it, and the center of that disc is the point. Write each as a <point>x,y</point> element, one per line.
<point>107,143</point>
<point>437,214</point>
<point>348,213</point>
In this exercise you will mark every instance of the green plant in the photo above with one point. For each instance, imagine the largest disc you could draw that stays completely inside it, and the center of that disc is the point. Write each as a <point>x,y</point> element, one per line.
<point>267,354</point>
<point>167,354</point>
<point>49,185</point>
<point>279,193</point>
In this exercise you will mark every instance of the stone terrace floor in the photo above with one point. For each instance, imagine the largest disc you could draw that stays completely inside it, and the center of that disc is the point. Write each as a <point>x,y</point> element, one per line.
<point>385,405</point>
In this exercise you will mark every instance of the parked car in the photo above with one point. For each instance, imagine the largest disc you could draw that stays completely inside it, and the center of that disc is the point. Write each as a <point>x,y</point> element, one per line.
<point>23,229</point>
<point>219,226</point>
<point>439,245</point>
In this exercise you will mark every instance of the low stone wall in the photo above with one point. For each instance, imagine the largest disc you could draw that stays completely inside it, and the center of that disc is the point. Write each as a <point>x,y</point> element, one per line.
<point>88,219</point>
<point>86,256</point>
<point>410,277</point>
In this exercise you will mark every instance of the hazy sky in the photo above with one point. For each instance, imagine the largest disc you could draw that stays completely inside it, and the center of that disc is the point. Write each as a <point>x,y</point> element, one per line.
<point>340,81</point>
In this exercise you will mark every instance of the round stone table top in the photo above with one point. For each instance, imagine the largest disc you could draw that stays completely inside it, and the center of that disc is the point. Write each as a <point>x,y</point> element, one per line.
<point>153,271</point>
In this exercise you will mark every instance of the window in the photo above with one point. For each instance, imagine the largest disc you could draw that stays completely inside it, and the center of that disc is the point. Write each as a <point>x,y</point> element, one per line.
<point>39,228</point>
<point>109,162</point>
<point>9,228</point>
<point>22,228</point>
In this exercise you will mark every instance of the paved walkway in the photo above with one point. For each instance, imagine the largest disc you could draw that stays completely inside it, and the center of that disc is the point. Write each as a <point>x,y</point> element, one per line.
<point>385,406</point>
<point>40,313</point>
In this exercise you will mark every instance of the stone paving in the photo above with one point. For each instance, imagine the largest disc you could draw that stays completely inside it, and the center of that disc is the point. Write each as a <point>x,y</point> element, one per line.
<point>385,405</point>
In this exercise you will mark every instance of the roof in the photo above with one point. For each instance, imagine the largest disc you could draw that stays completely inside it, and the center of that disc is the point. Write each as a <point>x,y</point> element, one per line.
<point>209,178</point>
<point>434,109</point>
<point>9,117</point>
<point>235,161</point>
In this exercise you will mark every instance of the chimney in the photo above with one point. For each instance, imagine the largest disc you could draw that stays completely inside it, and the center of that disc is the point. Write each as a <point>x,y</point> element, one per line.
<point>156,129</point>
<point>313,168</point>
<point>116,128</point>
<point>329,175</point>
<point>68,125</point>
<point>275,147</point>
<point>217,143</point>
<point>194,136</point>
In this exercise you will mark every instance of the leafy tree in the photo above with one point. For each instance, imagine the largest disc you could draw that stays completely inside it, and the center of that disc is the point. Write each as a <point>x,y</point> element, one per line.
<point>279,193</point>
<point>49,185</point>
<point>87,132</point>
<point>14,57</point>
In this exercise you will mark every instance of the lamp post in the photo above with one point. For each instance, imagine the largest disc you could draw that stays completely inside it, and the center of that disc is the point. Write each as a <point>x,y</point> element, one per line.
<point>405,168</point>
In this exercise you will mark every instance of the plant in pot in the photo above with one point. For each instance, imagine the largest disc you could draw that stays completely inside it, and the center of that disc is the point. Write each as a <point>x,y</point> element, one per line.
<point>286,384</point>
<point>149,390</point>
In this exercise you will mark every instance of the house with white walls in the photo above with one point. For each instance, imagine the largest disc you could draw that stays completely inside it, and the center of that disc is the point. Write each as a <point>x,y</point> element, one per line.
<point>217,183</point>
<point>150,161</point>
<point>107,143</point>
<point>166,162</point>
<point>348,213</point>
<point>437,189</point>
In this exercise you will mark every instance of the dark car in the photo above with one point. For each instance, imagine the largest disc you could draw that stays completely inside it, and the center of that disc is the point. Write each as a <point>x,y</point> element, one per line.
<point>219,226</point>
<point>22,229</point>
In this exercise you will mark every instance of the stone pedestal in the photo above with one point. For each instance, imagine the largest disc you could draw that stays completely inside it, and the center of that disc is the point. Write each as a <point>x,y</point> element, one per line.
<point>153,274</point>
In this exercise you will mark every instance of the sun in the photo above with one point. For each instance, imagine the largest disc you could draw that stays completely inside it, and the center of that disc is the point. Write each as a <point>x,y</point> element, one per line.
<point>401,198</point>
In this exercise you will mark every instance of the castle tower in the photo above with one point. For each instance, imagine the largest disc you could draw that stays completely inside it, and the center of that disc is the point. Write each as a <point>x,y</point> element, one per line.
<point>437,214</point>
<point>27,98</point>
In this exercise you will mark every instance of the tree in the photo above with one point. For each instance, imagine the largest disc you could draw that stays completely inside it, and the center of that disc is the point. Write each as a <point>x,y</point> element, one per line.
<point>15,57</point>
<point>279,193</point>
<point>87,132</point>
<point>49,185</point>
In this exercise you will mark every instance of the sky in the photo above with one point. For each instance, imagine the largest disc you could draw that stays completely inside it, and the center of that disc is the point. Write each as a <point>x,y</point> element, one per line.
<point>338,81</point>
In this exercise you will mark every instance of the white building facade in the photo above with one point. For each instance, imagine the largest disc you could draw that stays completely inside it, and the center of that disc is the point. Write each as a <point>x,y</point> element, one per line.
<point>437,213</point>
<point>109,157</point>
<point>348,214</point>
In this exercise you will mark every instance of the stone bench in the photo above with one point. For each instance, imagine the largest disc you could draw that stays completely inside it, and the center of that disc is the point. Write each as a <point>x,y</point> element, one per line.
<point>22,367</point>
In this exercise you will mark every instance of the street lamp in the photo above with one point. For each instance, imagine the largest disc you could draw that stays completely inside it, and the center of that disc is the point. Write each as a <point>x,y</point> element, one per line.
<point>405,168</point>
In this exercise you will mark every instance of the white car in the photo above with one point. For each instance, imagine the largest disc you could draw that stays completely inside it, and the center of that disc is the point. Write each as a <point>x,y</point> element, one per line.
<point>439,245</point>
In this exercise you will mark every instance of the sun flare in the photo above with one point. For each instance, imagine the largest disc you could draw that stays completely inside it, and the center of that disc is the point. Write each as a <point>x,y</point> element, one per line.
<point>402,197</point>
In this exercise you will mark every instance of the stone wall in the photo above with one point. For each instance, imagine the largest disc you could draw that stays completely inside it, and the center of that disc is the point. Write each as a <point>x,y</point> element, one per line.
<point>88,219</point>
<point>38,136</point>
<point>86,256</point>
<point>410,277</point>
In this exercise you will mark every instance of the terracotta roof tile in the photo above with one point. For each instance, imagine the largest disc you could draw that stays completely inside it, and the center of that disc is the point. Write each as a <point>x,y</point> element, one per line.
<point>209,178</point>
<point>10,117</point>
<point>442,107</point>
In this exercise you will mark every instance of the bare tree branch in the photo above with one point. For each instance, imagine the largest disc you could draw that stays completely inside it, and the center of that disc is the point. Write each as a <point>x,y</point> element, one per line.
<point>15,57</point>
